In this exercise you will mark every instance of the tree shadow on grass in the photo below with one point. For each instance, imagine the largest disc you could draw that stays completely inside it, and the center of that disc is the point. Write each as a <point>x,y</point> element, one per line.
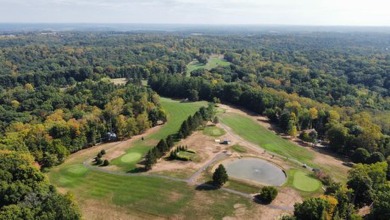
<point>206,186</point>
<point>257,200</point>
<point>137,170</point>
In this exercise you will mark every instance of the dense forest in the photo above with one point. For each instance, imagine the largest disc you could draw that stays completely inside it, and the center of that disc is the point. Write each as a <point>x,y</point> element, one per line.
<point>56,96</point>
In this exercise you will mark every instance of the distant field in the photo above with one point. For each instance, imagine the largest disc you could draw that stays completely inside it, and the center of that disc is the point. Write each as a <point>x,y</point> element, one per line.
<point>253,132</point>
<point>213,62</point>
<point>177,113</point>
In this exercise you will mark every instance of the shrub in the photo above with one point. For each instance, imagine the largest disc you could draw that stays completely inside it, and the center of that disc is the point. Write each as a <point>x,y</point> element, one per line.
<point>98,161</point>
<point>106,163</point>
<point>102,152</point>
<point>267,194</point>
<point>99,155</point>
<point>360,155</point>
<point>375,158</point>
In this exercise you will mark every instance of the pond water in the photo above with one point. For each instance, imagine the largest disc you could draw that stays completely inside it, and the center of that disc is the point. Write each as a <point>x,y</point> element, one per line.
<point>257,170</point>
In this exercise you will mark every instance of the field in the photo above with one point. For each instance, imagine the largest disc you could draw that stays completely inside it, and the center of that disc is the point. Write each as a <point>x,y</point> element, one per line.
<point>105,196</point>
<point>177,113</point>
<point>254,132</point>
<point>214,61</point>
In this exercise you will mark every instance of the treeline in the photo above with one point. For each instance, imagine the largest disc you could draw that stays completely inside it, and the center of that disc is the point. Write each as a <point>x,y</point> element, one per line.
<point>187,127</point>
<point>346,130</point>
<point>26,194</point>
<point>50,122</point>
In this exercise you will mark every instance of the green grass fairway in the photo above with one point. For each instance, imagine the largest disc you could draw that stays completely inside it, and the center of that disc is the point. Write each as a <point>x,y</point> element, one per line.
<point>213,62</point>
<point>213,131</point>
<point>77,169</point>
<point>250,130</point>
<point>304,182</point>
<point>131,157</point>
<point>148,197</point>
<point>177,112</point>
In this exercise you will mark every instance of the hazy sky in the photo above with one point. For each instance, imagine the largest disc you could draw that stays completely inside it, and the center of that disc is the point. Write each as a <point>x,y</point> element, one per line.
<point>296,12</point>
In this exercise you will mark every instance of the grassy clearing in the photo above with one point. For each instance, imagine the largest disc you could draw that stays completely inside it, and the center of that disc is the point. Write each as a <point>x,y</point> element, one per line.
<point>239,148</point>
<point>213,131</point>
<point>213,62</point>
<point>177,112</point>
<point>255,133</point>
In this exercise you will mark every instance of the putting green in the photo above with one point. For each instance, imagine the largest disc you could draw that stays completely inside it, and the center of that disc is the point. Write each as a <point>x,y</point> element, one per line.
<point>304,182</point>
<point>77,169</point>
<point>213,131</point>
<point>131,157</point>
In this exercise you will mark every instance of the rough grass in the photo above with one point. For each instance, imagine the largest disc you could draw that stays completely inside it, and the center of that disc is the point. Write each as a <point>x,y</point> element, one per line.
<point>239,148</point>
<point>213,131</point>
<point>257,134</point>
<point>177,112</point>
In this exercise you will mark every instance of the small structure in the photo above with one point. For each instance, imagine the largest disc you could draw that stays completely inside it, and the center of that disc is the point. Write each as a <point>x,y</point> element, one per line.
<point>111,136</point>
<point>226,142</point>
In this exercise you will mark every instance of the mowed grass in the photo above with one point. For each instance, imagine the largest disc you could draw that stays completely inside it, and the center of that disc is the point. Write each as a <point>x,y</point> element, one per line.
<point>213,131</point>
<point>250,130</point>
<point>213,62</point>
<point>305,182</point>
<point>145,196</point>
<point>177,112</point>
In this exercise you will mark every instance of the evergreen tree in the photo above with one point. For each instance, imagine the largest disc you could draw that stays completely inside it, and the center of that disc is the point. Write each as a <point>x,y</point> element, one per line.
<point>170,141</point>
<point>184,129</point>
<point>162,147</point>
<point>220,176</point>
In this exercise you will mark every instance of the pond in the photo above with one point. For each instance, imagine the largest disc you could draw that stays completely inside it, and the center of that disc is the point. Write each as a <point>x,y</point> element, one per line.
<point>257,170</point>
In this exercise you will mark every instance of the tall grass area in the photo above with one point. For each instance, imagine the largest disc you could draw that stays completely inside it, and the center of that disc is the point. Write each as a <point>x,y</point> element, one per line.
<point>177,112</point>
<point>250,130</point>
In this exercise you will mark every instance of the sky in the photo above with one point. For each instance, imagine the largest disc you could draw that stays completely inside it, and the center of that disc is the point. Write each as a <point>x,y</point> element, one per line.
<point>259,12</point>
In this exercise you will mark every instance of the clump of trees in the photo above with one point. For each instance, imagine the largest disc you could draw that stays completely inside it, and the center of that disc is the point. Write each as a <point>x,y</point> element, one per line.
<point>98,159</point>
<point>220,176</point>
<point>267,194</point>
<point>26,194</point>
<point>193,122</point>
